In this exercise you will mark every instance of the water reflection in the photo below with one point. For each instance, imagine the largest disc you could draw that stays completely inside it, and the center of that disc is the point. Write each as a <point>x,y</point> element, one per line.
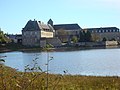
<point>84,62</point>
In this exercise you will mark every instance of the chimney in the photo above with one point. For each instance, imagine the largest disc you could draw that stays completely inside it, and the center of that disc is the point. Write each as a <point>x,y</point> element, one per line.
<point>39,22</point>
<point>42,22</point>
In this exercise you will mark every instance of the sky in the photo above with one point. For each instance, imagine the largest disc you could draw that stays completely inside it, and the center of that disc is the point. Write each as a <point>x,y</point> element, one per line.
<point>14,14</point>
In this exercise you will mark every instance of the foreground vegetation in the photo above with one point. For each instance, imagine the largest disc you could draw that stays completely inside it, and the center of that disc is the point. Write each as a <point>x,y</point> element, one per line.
<point>3,37</point>
<point>10,79</point>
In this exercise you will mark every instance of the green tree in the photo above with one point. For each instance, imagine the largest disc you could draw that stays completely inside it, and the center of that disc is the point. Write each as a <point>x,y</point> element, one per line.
<point>95,37</point>
<point>62,35</point>
<point>74,39</point>
<point>3,37</point>
<point>81,39</point>
<point>104,39</point>
<point>85,36</point>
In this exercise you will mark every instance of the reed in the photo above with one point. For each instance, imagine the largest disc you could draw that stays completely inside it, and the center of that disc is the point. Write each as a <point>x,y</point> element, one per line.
<point>10,79</point>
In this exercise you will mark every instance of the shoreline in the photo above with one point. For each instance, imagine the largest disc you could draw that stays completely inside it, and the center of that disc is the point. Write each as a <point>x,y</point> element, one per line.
<point>61,49</point>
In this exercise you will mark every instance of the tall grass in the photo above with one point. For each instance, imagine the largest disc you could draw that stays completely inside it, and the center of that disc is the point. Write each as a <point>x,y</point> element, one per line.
<point>10,79</point>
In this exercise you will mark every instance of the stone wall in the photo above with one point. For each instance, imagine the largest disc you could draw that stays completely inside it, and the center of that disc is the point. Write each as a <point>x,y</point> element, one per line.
<point>111,43</point>
<point>31,38</point>
<point>107,35</point>
<point>54,41</point>
<point>94,44</point>
<point>43,43</point>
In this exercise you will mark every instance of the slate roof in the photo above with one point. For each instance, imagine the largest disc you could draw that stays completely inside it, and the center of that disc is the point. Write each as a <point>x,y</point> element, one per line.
<point>102,28</point>
<point>43,26</point>
<point>11,36</point>
<point>36,25</point>
<point>31,25</point>
<point>67,26</point>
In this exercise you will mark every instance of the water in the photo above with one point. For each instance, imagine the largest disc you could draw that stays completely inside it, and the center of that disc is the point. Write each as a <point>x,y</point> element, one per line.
<point>97,62</point>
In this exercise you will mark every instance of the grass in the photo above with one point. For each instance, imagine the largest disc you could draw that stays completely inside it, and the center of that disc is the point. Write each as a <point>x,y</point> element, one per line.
<point>10,79</point>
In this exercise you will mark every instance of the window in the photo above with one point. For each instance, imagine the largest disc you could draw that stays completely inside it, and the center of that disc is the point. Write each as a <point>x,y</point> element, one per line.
<point>31,33</point>
<point>76,32</point>
<point>35,39</point>
<point>35,33</point>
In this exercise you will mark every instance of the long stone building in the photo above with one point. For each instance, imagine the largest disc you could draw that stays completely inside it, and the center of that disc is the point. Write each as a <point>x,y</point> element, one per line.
<point>65,32</point>
<point>35,33</point>
<point>109,33</point>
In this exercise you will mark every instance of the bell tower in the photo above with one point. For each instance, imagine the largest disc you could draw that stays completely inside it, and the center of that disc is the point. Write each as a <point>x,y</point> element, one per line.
<point>50,22</point>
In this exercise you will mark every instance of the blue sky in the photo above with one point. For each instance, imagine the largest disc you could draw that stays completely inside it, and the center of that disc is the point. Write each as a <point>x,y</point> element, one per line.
<point>14,14</point>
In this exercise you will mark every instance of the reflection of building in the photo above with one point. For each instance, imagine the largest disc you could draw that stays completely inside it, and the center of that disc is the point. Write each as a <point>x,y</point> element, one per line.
<point>110,33</point>
<point>66,31</point>
<point>35,32</point>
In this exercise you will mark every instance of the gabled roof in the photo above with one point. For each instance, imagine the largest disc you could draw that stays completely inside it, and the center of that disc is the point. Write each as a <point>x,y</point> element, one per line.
<point>31,25</point>
<point>36,26</point>
<point>67,26</point>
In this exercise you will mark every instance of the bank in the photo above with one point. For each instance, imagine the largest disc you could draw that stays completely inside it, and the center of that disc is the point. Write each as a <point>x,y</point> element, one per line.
<point>66,47</point>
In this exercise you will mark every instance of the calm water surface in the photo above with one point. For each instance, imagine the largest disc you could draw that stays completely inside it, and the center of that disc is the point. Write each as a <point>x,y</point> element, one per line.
<point>98,62</point>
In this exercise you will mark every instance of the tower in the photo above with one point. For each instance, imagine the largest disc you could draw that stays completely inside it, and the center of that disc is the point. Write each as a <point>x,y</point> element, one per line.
<point>50,22</point>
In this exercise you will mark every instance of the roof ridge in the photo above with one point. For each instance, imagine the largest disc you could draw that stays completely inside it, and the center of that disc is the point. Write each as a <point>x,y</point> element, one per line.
<point>67,24</point>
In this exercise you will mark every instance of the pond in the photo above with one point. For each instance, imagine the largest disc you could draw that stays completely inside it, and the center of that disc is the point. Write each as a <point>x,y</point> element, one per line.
<point>96,62</point>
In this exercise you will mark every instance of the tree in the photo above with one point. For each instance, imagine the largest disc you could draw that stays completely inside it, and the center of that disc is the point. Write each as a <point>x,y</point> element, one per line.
<point>81,39</point>
<point>95,37</point>
<point>3,37</point>
<point>74,39</point>
<point>113,39</point>
<point>104,39</point>
<point>85,36</point>
<point>62,35</point>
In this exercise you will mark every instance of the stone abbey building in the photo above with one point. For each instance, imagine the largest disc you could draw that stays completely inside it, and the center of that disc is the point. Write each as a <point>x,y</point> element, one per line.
<point>34,33</point>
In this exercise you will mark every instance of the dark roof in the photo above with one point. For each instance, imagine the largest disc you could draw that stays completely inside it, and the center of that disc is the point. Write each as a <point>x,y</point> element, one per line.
<point>36,26</point>
<point>11,36</point>
<point>31,25</point>
<point>67,26</point>
<point>101,28</point>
